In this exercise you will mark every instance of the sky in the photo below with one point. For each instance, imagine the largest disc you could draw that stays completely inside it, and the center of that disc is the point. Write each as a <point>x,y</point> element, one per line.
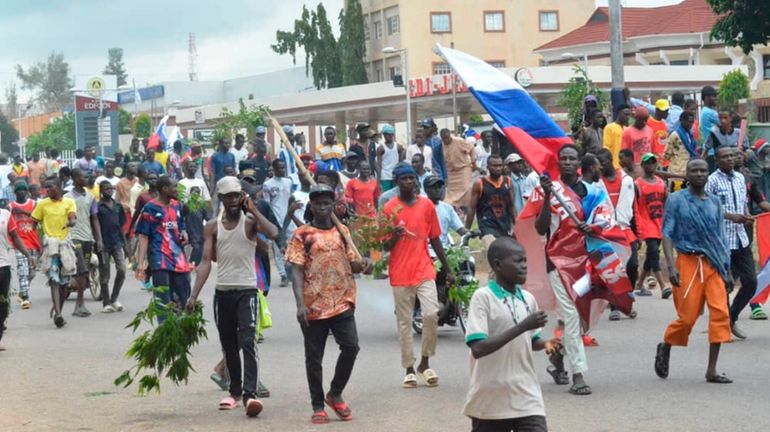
<point>233,36</point>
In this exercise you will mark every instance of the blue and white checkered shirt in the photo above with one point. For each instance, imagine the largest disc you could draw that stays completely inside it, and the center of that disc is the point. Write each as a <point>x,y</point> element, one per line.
<point>732,194</point>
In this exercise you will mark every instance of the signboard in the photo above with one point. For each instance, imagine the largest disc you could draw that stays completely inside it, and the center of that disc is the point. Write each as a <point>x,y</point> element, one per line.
<point>435,85</point>
<point>95,86</point>
<point>200,117</point>
<point>524,77</point>
<point>145,93</point>
<point>83,103</point>
<point>96,124</point>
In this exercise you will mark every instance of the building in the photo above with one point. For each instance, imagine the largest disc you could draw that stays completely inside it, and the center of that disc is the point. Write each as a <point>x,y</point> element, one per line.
<point>502,32</point>
<point>676,35</point>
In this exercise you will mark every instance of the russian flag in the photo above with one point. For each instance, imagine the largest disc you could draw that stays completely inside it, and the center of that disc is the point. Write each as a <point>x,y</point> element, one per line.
<point>527,126</point>
<point>161,129</point>
<point>762,293</point>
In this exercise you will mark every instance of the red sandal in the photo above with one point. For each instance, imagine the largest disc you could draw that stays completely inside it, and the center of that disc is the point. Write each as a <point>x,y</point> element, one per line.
<point>319,417</point>
<point>341,409</point>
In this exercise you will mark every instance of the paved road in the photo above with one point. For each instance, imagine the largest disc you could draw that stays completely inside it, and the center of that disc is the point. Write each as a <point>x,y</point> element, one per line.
<point>61,380</point>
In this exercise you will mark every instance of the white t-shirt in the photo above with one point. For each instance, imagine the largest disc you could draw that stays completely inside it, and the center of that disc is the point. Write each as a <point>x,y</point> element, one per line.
<point>193,182</point>
<point>504,384</point>
<point>302,198</point>
<point>427,153</point>
<point>240,155</point>
<point>113,181</point>
<point>5,248</point>
<point>277,191</point>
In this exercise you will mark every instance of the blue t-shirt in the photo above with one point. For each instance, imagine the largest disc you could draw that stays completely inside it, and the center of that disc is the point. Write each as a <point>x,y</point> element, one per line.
<point>163,225</point>
<point>219,161</point>
<point>708,118</point>
<point>695,225</point>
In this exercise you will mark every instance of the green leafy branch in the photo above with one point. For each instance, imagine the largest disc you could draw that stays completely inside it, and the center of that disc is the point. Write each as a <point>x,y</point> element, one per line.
<point>164,350</point>
<point>458,292</point>
<point>194,202</point>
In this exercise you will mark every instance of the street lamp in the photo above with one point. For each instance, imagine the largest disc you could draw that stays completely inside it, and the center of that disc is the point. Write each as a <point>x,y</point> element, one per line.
<point>569,55</point>
<point>405,71</point>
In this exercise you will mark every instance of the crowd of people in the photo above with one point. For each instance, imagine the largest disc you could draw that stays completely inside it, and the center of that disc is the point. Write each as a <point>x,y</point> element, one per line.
<point>675,176</point>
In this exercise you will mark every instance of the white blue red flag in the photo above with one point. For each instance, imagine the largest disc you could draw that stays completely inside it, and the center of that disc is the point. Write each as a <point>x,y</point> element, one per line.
<point>763,243</point>
<point>536,137</point>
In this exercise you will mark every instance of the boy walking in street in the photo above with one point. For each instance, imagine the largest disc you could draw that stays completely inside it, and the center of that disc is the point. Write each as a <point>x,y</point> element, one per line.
<point>21,210</point>
<point>503,330</point>
<point>231,241</point>
<point>112,218</point>
<point>325,292</point>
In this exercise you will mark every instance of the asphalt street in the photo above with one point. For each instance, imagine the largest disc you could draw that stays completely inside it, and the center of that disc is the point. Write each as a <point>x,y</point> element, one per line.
<point>61,379</point>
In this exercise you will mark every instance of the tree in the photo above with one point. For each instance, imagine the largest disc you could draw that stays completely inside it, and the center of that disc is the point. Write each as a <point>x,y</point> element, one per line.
<point>143,126</point>
<point>733,87</point>
<point>352,46</point>
<point>8,135</point>
<point>115,65</point>
<point>59,134</point>
<point>124,121</point>
<point>247,117</point>
<point>742,23</point>
<point>11,101</point>
<point>573,93</point>
<point>50,81</point>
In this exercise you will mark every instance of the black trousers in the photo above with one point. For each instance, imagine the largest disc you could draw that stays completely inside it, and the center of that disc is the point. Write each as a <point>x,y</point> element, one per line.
<point>522,424</point>
<point>742,263</point>
<point>235,313</point>
<point>5,301</point>
<point>343,327</point>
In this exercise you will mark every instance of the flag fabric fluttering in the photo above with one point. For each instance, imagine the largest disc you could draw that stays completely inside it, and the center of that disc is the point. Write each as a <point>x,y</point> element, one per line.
<point>168,134</point>
<point>762,223</point>
<point>536,137</point>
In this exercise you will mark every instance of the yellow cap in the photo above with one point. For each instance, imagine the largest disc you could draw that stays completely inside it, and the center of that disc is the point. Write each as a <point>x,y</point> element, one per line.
<point>662,104</point>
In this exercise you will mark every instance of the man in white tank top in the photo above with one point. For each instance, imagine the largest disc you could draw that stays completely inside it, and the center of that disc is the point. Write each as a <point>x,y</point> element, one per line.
<point>231,241</point>
<point>389,153</point>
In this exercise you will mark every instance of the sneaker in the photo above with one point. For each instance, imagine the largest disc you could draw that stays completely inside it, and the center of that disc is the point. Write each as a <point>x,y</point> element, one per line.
<point>643,292</point>
<point>615,315</point>
<point>284,281</point>
<point>117,306</point>
<point>26,304</point>
<point>650,282</point>
<point>757,313</point>
<point>81,311</point>
<point>737,332</point>
<point>58,320</point>
<point>108,309</point>
<point>665,293</point>
<point>262,391</point>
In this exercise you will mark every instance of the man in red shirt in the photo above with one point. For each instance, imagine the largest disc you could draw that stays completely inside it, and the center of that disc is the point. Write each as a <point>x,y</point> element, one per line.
<point>659,129</point>
<point>411,270</point>
<point>363,191</point>
<point>639,137</point>
<point>21,209</point>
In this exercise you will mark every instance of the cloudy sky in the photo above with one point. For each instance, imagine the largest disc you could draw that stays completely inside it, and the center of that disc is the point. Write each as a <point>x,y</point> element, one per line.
<point>233,36</point>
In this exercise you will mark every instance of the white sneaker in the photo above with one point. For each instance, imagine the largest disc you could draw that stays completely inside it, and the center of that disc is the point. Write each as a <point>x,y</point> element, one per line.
<point>117,306</point>
<point>108,309</point>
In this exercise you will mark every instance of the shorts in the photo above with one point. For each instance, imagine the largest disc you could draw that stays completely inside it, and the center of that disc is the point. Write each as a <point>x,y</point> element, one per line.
<point>652,261</point>
<point>83,251</point>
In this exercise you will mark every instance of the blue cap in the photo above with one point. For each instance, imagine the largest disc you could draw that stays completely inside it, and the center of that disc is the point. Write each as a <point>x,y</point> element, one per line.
<point>388,129</point>
<point>261,129</point>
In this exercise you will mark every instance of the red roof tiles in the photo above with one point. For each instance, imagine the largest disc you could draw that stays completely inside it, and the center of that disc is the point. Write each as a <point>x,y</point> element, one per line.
<point>689,16</point>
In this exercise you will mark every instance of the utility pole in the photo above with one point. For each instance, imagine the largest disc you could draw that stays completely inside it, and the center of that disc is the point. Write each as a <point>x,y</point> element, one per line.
<point>616,56</point>
<point>192,55</point>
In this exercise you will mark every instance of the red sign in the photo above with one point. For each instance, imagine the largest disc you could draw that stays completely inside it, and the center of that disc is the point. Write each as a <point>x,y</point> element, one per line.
<point>83,103</point>
<point>435,85</point>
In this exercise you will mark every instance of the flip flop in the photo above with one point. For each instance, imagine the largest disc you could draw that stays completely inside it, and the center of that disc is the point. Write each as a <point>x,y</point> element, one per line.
<point>590,341</point>
<point>719,379</point>
<point>559,377</point>
<point>341,409</point>
<point>227,404</point>
<point>580,389</point>
<point>410,381</point>
<point>319,417</point>
<point>253,407</point>
<point>429,376</point>
<point>661,361</point>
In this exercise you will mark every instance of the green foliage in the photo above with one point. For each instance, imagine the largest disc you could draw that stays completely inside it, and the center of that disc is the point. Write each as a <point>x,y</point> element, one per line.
<point>124,121</point>
<point>194,202</point>
<point>143,125</point>
<point>8,135</point>
<point>115,65</point>
<point>458,292</point>
<point>11,101</point>
<point>333,62</point>
<point>352,44</point>
<point>49,80</point>
<point>573,93</point>
<point>742,23</point>
<point>59,134</point>
<point>369,234</point>
<point>475,118</point>
<point>733,87</point>
<point>247,117</point>
<point>163,350</point>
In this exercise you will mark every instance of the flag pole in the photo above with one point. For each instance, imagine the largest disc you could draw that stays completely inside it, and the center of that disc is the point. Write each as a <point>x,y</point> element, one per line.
<point>304,172</point>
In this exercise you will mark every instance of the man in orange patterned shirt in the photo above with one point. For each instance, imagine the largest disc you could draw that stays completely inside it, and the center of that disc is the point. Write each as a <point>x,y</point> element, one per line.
<point>325,292</point>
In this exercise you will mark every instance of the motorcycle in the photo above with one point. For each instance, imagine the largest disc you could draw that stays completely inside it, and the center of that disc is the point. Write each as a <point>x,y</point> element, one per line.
<point>452,312</point>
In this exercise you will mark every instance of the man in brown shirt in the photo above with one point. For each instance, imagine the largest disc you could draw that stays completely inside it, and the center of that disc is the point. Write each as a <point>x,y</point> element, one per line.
<point>460,158</point>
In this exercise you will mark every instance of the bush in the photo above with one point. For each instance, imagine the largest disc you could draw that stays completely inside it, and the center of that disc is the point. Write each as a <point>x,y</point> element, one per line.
<point>733,87</point>
<point>143,126</point>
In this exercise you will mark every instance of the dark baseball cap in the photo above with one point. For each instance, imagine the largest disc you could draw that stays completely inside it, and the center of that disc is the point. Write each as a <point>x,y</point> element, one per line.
<point>432,181</point>
<point>427,122</point>
<point>321,189</point>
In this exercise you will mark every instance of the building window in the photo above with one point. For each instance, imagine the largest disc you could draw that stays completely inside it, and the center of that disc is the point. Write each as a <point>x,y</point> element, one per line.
<point>378,29</point>
<point>394,25</point>
<point>441,22</point>
<point>395,70</point>
<point>766,62</point>
<point>366,31</point>
<point>549,21</point>
<point>496,63</point>
<point>441,69</point>
<point>380,75</point>
<point>494,21</point>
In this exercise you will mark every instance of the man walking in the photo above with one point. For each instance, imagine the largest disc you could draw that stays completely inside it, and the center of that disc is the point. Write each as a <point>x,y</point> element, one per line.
<point>112,218</point>
<point>8,232</point>
<point>389,153</point>
<point>325,292</point>
<point>430,133</point>
<point>277,191</point>
<point>231,241</point>
<point>613,133</point>
<point>460,157</point>
<point>411,271</point>
<point>21,210</point>
<point>492,200</point>
<point>693,224</point>
<point>730,187</point>
<point>639,137</point>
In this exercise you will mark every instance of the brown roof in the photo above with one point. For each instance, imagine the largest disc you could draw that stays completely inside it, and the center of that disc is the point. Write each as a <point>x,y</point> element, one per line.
<point>690,16</point>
